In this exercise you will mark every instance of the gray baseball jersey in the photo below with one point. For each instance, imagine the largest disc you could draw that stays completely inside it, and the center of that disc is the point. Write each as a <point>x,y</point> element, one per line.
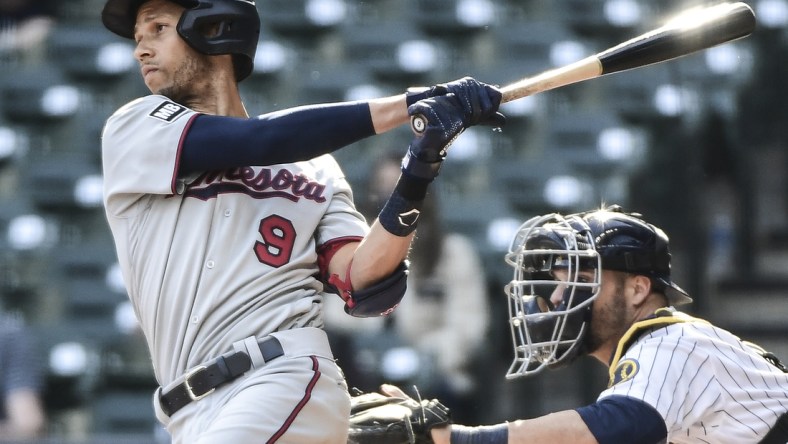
<point>221,256</point>
<point>705,382</point>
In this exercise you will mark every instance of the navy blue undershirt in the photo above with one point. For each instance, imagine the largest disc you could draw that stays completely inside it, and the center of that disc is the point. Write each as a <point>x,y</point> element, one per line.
<point>292,135</point>
<point>616,419</point>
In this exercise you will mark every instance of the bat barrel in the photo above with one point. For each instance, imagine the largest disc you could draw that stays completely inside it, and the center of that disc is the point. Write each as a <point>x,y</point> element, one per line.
<point>692,31</point>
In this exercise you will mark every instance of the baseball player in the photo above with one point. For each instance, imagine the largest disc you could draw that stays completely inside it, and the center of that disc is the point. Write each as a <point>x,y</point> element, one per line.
<point>230,230</point>
<point>599,283</point>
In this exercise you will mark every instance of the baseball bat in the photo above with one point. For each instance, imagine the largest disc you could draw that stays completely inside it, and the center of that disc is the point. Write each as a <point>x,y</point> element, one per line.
<point>691,31</point>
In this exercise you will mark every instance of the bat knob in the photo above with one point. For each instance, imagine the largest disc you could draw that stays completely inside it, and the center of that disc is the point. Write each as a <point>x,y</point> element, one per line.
<point>418,123</point>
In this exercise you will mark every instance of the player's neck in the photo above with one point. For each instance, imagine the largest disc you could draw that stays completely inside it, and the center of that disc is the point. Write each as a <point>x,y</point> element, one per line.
<point>603,354</point>
<point>223,101</point>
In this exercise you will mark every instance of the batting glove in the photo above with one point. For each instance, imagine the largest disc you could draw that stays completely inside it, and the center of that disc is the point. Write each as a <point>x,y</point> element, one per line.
<point>480,99</point>
<point>436,122</point>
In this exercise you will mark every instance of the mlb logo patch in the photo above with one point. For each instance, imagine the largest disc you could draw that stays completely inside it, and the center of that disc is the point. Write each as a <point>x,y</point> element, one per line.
<point>168,111</point>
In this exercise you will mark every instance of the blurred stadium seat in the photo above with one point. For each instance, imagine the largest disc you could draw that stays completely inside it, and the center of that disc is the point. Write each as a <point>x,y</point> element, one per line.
<point>719,73</point>
<point>523,183</point>
<point>23,229</point>
<point>125,413</point>
<point>594,140</point>
<point>455,18</point>
<point>273,59</point>
<point>72,365</point>
<point>393,51</point>
<point>38,94</point>
<point>302,19</point>
<point>323,83</point>
<point>91,52</point>
<point>13,148</point>
<point>635,96</point>
<point>65,183</point>
<point>543,46</point>
<point>475,216</point>
<point>606,21</point>
<point>88,298</point>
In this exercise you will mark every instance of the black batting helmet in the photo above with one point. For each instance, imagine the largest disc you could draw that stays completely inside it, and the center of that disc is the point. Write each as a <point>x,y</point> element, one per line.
<point>238,20</point>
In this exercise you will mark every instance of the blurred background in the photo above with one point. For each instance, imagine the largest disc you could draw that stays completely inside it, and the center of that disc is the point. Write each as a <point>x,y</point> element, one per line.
<point>697,145</point>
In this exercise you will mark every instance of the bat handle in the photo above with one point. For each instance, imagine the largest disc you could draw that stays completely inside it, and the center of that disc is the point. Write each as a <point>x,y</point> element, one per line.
<point>578,71</point>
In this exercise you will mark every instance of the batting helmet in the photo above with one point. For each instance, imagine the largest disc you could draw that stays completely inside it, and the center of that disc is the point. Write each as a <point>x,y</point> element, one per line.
<point>551,336</point>
<point>238,30</point>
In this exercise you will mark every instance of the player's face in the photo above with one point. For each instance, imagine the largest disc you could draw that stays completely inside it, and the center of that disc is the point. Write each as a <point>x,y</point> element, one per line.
<point>610,310</point>
<point>611,314</point>
<point>561,274</point>
<point>169,66</point>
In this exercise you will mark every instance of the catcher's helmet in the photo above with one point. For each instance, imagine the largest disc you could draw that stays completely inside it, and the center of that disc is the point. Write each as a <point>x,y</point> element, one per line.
<point>238,33</point>
<point>545,335</point>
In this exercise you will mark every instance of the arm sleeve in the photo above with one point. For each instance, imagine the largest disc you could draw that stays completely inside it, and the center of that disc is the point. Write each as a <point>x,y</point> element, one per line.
<point>297,134</point>
<point>617,419</point>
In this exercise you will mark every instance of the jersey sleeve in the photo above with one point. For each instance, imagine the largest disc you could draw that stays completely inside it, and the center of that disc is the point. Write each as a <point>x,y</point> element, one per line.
<point>342,220</point>
<point>617,419</point>
<point>141,145</point>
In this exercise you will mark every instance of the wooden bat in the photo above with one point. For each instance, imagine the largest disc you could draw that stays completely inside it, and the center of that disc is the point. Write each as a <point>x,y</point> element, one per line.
<point>691,31</point>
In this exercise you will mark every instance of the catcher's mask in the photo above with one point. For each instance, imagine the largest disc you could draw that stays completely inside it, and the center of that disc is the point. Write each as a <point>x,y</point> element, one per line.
<point>551,335</point>
<point>237,24</point>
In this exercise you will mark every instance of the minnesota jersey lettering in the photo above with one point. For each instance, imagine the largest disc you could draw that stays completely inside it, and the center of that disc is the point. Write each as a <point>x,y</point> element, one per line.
<point>257,182</point>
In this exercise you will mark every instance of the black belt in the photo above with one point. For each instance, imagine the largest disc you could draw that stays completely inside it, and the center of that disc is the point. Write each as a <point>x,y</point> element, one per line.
<point>203,380</point>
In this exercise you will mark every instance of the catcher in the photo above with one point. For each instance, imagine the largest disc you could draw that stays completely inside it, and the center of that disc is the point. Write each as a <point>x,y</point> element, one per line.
<point>598,283</point>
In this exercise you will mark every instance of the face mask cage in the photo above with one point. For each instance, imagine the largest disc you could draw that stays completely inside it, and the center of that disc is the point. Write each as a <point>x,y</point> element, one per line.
<point>545,334</point>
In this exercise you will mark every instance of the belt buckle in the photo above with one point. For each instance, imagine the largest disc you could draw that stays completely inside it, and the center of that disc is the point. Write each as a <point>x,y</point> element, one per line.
<point>189,389</point>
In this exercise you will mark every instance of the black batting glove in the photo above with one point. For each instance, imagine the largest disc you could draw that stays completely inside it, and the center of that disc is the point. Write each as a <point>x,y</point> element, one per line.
<point>436,122</point>
<point>480,99</point>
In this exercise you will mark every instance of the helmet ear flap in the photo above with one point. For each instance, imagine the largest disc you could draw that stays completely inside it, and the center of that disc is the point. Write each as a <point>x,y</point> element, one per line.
<point>215,28</point>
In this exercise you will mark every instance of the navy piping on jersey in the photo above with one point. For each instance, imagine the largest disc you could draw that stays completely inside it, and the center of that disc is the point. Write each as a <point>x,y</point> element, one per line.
<point>296,134</point>
<point>307,396</point>
<point>616,419</point>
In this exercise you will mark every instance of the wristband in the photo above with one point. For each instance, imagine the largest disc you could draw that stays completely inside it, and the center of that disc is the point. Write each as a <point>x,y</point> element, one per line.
<point>400,214</point>
<point>496,434</point>
<point>412,166</point>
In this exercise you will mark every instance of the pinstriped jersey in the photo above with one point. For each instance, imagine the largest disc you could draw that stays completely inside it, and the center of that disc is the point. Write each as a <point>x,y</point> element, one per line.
<point>707,384</point>
<point>215,258</point>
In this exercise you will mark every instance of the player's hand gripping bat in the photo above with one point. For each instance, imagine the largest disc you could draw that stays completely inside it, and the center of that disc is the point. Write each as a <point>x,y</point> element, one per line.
<point>694,30</point>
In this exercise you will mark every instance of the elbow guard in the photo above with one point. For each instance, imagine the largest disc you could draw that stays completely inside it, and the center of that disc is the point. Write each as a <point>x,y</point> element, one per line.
<point>379,299</point>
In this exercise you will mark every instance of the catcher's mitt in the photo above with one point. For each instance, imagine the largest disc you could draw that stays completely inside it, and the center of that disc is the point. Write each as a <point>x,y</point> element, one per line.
<point>379,419</point>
